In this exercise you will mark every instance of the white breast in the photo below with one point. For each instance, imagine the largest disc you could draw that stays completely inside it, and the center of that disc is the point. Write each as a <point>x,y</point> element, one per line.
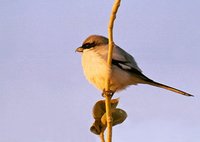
<point>95,68</point>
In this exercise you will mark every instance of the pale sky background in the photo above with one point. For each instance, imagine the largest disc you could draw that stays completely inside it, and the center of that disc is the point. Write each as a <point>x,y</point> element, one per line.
<point>44,96</point>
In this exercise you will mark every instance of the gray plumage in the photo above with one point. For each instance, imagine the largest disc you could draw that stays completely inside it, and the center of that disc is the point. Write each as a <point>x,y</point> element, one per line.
<point>124,70</point>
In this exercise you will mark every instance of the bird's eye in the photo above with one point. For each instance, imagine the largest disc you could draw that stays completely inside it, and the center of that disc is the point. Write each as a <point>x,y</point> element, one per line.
<point>88,45</point>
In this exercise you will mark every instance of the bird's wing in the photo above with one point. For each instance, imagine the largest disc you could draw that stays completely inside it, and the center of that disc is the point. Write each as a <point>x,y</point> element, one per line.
<point>124,59</point>
<point>126,67</point>
<point>126,62</point>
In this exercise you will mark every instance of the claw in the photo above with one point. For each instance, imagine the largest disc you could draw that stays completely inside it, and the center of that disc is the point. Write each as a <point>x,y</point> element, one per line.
<point>109,93</point>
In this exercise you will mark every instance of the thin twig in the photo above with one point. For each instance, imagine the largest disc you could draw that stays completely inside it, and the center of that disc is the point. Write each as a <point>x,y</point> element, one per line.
<point>109,61</point>
<point>102,137</point>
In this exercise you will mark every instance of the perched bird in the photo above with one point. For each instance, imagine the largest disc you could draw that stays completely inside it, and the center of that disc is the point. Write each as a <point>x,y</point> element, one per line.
<point>124,70</point>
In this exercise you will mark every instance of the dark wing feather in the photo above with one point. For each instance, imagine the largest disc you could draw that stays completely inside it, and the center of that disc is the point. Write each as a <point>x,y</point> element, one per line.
<point>126,67</point>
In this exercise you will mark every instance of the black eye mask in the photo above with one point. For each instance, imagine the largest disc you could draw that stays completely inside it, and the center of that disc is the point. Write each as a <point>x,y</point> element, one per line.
<point>88,45</point>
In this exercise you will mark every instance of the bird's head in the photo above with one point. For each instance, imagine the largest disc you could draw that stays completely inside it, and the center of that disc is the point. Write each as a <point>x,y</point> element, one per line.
<point>92,42</point>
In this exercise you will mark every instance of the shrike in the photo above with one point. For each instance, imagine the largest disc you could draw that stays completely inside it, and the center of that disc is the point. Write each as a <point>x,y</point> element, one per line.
<point>124,70</point>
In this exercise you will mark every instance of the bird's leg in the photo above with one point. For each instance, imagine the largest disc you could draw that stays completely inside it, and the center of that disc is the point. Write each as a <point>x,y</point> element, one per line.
<point>109,93</point>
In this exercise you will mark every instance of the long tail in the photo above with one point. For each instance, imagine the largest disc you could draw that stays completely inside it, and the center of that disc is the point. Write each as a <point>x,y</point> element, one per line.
<point>153,83</point>
<point>144,79</point>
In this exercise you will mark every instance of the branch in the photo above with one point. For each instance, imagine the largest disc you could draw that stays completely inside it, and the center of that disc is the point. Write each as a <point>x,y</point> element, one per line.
<point>102,137</point>
<point>109,60</point>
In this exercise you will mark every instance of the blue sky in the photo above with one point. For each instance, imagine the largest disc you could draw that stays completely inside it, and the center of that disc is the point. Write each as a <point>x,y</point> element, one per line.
<point>44,96</point>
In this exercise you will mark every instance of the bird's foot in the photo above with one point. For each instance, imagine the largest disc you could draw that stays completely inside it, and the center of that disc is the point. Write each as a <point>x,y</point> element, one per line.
<point>108,93</point>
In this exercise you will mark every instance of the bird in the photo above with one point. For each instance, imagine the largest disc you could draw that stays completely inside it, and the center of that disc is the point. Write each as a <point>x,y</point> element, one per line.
<point>124,70</point>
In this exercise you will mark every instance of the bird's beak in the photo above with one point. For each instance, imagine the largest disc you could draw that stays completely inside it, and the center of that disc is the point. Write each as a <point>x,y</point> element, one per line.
<point>79,49</point>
